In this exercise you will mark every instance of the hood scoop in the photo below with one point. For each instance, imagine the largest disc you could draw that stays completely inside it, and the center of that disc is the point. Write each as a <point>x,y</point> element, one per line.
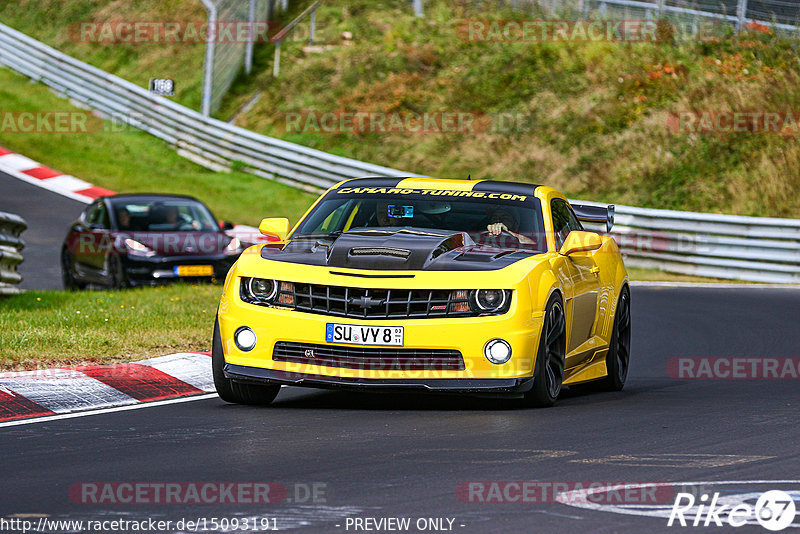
<point>381,251</point>
<point>392,248</point>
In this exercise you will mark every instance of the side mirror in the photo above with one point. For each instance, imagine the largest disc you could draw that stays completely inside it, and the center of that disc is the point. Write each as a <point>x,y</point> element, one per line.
<point>275,227</point>
<point>578,241</point>
<point>226,225</point>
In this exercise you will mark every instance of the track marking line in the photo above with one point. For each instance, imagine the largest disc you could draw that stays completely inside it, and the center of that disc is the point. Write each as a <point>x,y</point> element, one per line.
<point>675,460</point>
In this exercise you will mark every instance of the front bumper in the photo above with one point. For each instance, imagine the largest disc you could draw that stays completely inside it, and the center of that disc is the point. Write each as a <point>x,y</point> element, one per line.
<point>488,386</point>
<point>519,327</point>
<point>154,270</point>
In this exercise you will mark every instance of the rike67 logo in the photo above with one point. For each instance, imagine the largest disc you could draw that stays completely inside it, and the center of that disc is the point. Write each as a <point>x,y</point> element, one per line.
<point>769,504</point>
<point>774,510</point>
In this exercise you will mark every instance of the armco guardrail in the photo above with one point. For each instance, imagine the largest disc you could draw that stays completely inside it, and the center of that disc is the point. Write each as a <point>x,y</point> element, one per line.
<point>11,245</point>
<point>746,248</point>
<point>207,141</point>
<point>759,249</point>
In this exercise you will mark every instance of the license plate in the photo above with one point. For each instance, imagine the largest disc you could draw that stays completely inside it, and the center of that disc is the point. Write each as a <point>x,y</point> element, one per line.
<point>364,335</point>
<point>194,270</point>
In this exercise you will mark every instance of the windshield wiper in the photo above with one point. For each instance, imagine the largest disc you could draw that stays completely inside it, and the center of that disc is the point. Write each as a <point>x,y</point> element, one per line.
<point>334,234</point>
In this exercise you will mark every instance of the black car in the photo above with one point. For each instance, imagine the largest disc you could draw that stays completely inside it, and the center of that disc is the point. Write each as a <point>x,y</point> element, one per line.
<point>146,239</point>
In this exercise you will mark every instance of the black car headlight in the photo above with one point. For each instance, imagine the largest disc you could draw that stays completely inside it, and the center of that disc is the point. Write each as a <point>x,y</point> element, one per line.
<point>490,300</point>
<point>259,290</point>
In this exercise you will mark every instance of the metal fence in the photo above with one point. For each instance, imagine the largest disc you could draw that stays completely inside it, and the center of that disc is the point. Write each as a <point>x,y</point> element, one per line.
<point>11,245</point>
<point>225,59</point>
<point>748,248</point>
<point>782,14</point>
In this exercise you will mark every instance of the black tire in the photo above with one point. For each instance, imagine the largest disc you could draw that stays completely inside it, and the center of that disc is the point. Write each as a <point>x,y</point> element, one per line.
<point>67,273</point>
<point>550,357</point>
<point>234,392</point>
<point>619,350</point>
<point>116,276</point>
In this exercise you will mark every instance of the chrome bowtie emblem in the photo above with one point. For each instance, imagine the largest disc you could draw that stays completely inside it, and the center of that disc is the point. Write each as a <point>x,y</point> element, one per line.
<point>309,353</point>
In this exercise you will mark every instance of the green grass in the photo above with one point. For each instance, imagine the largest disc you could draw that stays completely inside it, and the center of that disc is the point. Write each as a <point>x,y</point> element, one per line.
<point>132,161</point>
<point>40,329</point>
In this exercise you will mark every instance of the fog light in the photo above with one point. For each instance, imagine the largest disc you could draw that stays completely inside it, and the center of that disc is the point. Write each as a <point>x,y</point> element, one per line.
<point>497,351</point>
<point>245,339</point>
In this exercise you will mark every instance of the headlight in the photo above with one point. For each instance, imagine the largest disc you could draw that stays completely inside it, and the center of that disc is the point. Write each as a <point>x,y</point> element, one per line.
<point>259,290</point>
<point>266,292</point>
<point>136,248</point>
<point>489,300</point>
<point>234,246</point>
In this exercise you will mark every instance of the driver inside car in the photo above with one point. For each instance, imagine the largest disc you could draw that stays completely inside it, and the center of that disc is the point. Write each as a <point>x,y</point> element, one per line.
<point>505,220</point>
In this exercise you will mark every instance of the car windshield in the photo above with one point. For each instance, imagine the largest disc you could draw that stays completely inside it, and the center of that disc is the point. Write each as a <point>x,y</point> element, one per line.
<point>162,215</point>
<point>348,209</point>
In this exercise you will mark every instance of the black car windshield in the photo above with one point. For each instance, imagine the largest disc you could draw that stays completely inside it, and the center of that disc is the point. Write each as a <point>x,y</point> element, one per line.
<point>352,209</point>
<point>162,215</point>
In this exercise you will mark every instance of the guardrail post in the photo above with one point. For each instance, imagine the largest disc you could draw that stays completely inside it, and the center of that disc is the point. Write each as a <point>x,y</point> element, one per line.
<point>208,65</point>
<point>276,64</point>
<point>248,52</point>
<point>312,26</point>
<point>418,10</point>
<point>741,14</point>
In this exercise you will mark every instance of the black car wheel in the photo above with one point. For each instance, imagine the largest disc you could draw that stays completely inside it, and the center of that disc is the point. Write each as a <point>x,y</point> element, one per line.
<point>550,358</point>
<point>68,273</point>
<point>619,350</point>
<point>234,392</point>
<point>116,276</point>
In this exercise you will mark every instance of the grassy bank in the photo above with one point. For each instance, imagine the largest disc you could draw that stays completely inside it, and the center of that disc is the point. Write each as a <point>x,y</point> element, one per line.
<point>591,118</point>
<point>127,160</point>
<point>50,328</point>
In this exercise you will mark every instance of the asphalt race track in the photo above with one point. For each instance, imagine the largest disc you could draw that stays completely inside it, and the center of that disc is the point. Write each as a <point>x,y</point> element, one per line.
<point>48,216</point>
<point>405,456</point>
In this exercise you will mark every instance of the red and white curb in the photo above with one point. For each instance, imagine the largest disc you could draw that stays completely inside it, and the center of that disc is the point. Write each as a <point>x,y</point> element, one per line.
<point>47,392</point>
<point>37,174</point>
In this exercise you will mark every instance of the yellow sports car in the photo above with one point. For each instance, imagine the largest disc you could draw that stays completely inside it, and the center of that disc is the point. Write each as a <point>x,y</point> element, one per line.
<point>456,286</point>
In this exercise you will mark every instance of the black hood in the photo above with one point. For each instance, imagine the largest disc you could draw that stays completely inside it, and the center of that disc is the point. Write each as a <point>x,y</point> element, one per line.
<point>395,249</point>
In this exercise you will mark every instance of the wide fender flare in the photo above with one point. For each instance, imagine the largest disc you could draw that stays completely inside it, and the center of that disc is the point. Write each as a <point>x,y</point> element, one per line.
<point>543,285</point>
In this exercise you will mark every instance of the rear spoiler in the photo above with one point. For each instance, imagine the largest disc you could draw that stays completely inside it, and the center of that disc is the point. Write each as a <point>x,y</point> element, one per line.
<point>595,214</point>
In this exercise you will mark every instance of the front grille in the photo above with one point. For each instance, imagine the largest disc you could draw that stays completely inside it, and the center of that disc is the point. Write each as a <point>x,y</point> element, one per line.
<point>361,303</point>
<point>369,358</point>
